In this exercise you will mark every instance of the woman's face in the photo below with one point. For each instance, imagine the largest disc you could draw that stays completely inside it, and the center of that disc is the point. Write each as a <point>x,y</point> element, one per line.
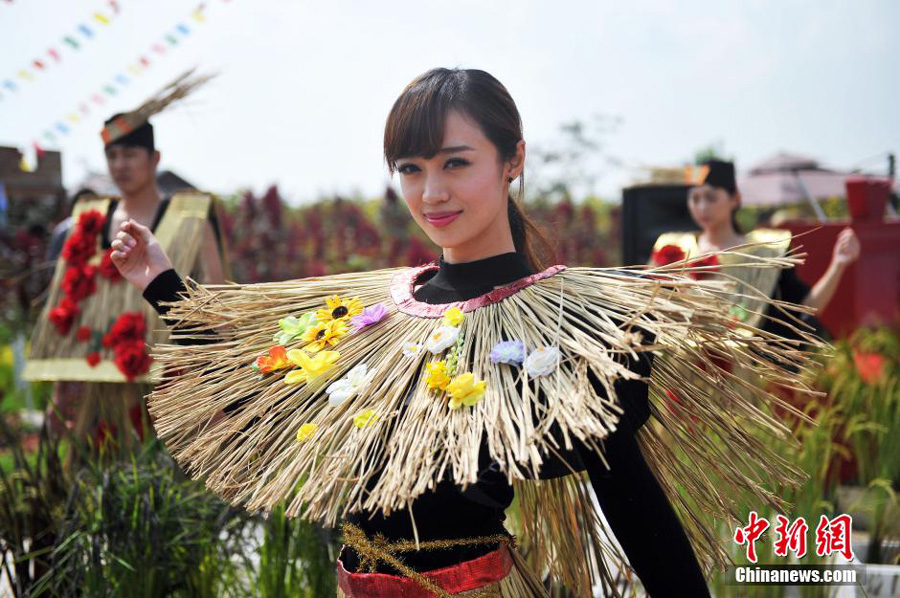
<point>711,207</point>
<point>459,196</point>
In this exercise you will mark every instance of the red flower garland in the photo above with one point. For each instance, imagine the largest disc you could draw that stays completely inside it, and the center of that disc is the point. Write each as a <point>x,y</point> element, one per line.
<point>79,248</point>
<point>108,269</point>
<point>708,262</point>
<point>129,327</point>
<point>668,254</point>
<point>126,339</point>
<point>91,222</point>
<point>83,334</point>
<point>79,282</point>
<point>126,335</point>
<point>132,359</point>
<point>63,315</point>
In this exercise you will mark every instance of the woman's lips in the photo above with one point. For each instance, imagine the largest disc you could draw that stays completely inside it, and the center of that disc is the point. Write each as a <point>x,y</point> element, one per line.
<point>441,219</point>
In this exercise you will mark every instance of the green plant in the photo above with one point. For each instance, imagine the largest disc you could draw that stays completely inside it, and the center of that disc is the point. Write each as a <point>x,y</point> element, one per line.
<point>813,450</point>
<point>863,377</point>
<point>141,529</point>
<point>33,491</point>
<point>296,558</point>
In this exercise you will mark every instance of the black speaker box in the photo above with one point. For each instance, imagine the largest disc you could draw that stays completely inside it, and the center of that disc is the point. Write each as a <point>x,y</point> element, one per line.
<point>647,212</point>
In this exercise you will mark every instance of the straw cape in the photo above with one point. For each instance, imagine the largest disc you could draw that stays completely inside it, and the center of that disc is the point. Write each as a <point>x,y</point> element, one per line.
<point>87,284</point>
<point>345,393</point>
<point>754,285</point>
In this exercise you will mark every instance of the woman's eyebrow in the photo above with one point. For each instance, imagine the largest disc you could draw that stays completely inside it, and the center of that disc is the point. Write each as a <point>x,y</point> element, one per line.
<point>454,149</point>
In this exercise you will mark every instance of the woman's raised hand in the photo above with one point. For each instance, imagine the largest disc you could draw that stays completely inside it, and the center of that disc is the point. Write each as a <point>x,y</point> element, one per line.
<point>138,255</point>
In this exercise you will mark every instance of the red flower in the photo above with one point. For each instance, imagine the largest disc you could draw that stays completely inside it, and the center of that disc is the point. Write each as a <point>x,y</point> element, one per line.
<point>668,254</point>
<point>83,334</point>
<point>93,359</point>
<point>129,327</point>
<point>91,222</point>
<point>870,366</point>
<point>78,282</point>
<point>132,359</point>
<point>710,262</point>
<point>63,315</point>
<point>107,268</point>
<point>79,248</point>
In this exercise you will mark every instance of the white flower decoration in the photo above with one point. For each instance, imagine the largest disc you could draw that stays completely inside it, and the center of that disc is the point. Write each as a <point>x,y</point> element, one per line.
<point>411,349</point>
<point>541,362</point>
<point>354,382</point>
<point>442,338</point>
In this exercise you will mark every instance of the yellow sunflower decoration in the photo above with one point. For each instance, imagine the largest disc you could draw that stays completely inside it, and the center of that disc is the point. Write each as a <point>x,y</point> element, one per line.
<point>339,308</point>
<point>326,334</point>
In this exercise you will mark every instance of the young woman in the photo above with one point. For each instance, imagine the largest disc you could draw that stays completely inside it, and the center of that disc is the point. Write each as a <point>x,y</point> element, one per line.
<point>713,204</point>
<point>459,382</point>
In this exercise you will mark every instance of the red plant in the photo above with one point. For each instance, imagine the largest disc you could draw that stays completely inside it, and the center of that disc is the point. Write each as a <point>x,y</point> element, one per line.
<point>871,366</point>
<point>93,359</point>
<point>83,334</point>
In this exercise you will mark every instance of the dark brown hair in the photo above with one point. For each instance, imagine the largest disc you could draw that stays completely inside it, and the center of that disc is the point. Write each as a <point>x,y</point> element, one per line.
<point>415,127</point>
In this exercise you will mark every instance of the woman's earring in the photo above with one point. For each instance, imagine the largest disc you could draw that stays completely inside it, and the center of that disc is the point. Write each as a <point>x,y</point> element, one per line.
<point>509,179</point>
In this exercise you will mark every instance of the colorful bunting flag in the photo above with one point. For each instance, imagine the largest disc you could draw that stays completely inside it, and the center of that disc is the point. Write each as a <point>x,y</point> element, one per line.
<point>119,80</point>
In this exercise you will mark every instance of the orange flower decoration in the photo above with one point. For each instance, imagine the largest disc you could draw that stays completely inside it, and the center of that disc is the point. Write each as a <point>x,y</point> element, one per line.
<point>275,360</point>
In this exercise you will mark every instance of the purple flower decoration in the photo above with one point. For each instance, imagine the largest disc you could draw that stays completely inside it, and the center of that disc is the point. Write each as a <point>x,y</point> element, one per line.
<point>370,315</point>
<point>511,352</point>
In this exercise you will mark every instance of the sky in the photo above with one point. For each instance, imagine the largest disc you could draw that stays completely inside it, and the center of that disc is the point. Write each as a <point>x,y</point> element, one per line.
<point>303,88</point>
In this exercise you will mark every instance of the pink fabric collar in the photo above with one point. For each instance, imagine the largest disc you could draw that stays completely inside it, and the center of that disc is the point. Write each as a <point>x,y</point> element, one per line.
<point>403,285</point>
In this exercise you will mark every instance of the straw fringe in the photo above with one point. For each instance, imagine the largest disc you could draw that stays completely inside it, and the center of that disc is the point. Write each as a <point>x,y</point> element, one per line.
<point>597,317</point>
